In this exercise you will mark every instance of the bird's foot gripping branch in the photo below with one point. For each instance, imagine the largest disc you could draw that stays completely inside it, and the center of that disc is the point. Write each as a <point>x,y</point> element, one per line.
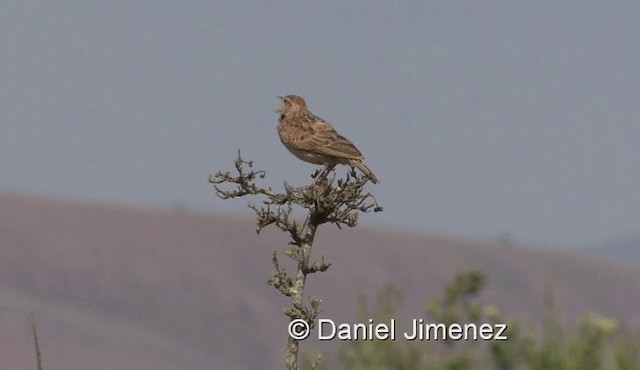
<point>326,200</point>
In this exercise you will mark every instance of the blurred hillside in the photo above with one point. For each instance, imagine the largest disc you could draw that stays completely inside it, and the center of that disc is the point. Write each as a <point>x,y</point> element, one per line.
<point>115,287</point>
<point>623,251</point>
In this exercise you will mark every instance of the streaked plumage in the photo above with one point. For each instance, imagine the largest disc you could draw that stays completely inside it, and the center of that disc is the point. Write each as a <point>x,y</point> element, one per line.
<point>314,140</point>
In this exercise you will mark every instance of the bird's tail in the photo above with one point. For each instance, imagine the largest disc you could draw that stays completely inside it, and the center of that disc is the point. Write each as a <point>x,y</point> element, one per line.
<point>365,170</point>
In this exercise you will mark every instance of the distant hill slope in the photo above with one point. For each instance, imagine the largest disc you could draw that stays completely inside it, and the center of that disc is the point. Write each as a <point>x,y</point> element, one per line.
<point>625,251</point>
<point>125,288</point>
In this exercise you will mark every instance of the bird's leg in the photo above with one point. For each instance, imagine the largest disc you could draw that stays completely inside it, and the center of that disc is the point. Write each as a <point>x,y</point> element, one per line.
<point>322,173</point>
<point>325,171</point>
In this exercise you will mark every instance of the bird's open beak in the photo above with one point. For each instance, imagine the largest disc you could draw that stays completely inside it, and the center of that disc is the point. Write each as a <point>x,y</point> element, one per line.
<point>279,110</point>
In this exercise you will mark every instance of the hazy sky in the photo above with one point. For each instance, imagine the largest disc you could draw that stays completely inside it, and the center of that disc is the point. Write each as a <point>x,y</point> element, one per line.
<point>479,117</point>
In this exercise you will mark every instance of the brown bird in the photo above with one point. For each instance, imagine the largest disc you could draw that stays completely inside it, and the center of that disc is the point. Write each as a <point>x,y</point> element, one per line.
<point>314,140</point>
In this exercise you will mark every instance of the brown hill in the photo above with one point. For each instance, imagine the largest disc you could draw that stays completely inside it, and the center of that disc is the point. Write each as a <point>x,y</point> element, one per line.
<point>123,288</point>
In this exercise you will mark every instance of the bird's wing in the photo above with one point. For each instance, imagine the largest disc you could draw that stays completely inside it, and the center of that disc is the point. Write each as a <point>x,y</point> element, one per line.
<point>321,138</point>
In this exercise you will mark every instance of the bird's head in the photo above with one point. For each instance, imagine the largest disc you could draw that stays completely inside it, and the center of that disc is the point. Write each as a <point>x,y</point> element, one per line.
<point>292,104</point>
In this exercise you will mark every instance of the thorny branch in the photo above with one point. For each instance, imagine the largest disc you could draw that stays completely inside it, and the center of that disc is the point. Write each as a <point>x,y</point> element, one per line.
<point>326,200</point>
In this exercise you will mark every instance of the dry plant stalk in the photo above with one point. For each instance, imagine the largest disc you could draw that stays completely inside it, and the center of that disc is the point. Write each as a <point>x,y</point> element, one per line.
<point>325,200</point>
<point>36,341</point>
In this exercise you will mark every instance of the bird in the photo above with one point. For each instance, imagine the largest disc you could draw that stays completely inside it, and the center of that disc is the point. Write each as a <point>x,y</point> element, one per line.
<point>314,140</point>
